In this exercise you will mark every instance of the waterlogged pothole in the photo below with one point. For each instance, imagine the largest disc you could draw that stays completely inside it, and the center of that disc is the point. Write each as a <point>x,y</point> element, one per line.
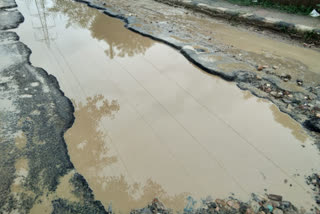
<point>149,124</point>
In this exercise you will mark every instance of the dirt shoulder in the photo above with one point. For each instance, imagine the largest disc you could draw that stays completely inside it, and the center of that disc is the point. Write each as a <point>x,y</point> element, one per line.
<point>297,27</point>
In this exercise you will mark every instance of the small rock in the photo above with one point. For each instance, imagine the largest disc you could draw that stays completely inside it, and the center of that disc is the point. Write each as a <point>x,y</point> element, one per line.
<point>260,68</point>
<point>286,78</point>
<point>249,211</point>
<point>307,45</point>
<point>220,202</point>
<point>299,82</point>
<point>230,203</point>
<point>275,203</point>
<point>273,93</point>
<point>275,67</point>
<point>275,197</point>
<point>212,205</point>
<point>318,115</point>
<point>270,208</point>
<point>255,206</point>
<point>277,211</point>
<point>285,205</point>
<point>236,205</point>
<point>258,77</point>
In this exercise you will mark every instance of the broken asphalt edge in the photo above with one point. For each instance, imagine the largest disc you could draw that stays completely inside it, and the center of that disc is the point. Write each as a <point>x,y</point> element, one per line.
<point>63,110</point>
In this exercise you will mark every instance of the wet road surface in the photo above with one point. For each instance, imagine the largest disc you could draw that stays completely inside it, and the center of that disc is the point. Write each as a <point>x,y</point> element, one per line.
<point>149,123</point>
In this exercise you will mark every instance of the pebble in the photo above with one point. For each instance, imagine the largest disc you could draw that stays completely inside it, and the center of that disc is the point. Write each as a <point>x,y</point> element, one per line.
<point>275,197</point>
<point>286,78</point>
<point>260,68</point>
<point>220,202</point>
<point>255,206</point>
<point>270,208</point>
<point>249,211</point>
<point>277,211</point>
<point>318,115</point>
<point>275,67</point>
<point>273,93</point>
<point>299,82</point>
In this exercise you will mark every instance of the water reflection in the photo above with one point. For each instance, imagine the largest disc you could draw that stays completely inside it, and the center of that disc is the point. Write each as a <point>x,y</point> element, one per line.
<point>87,142</point>
<point>77,14</point>
<point>121,42</point>
<point>287,122</point>
<point>89,149</point>
<point>42,23</point>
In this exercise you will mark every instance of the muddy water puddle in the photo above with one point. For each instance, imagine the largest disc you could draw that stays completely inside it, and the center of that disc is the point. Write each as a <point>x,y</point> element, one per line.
<point>150,124</point>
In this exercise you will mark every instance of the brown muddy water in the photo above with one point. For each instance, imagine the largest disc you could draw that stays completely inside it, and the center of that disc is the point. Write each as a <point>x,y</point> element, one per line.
<point>150,124</point>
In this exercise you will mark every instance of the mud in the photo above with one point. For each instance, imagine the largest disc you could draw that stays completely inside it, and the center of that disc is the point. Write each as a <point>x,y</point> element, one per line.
<point>287,26</point>
<point>34,115</point>
<point>142,111</point>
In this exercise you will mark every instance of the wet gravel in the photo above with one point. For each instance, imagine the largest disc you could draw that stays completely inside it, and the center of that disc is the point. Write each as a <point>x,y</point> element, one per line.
<point>257,205</point>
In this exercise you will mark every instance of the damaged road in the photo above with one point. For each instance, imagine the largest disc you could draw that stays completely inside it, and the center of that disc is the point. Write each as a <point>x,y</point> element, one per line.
<point>35,168</point>
<point>287,75</point>
<point>39,176</point>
